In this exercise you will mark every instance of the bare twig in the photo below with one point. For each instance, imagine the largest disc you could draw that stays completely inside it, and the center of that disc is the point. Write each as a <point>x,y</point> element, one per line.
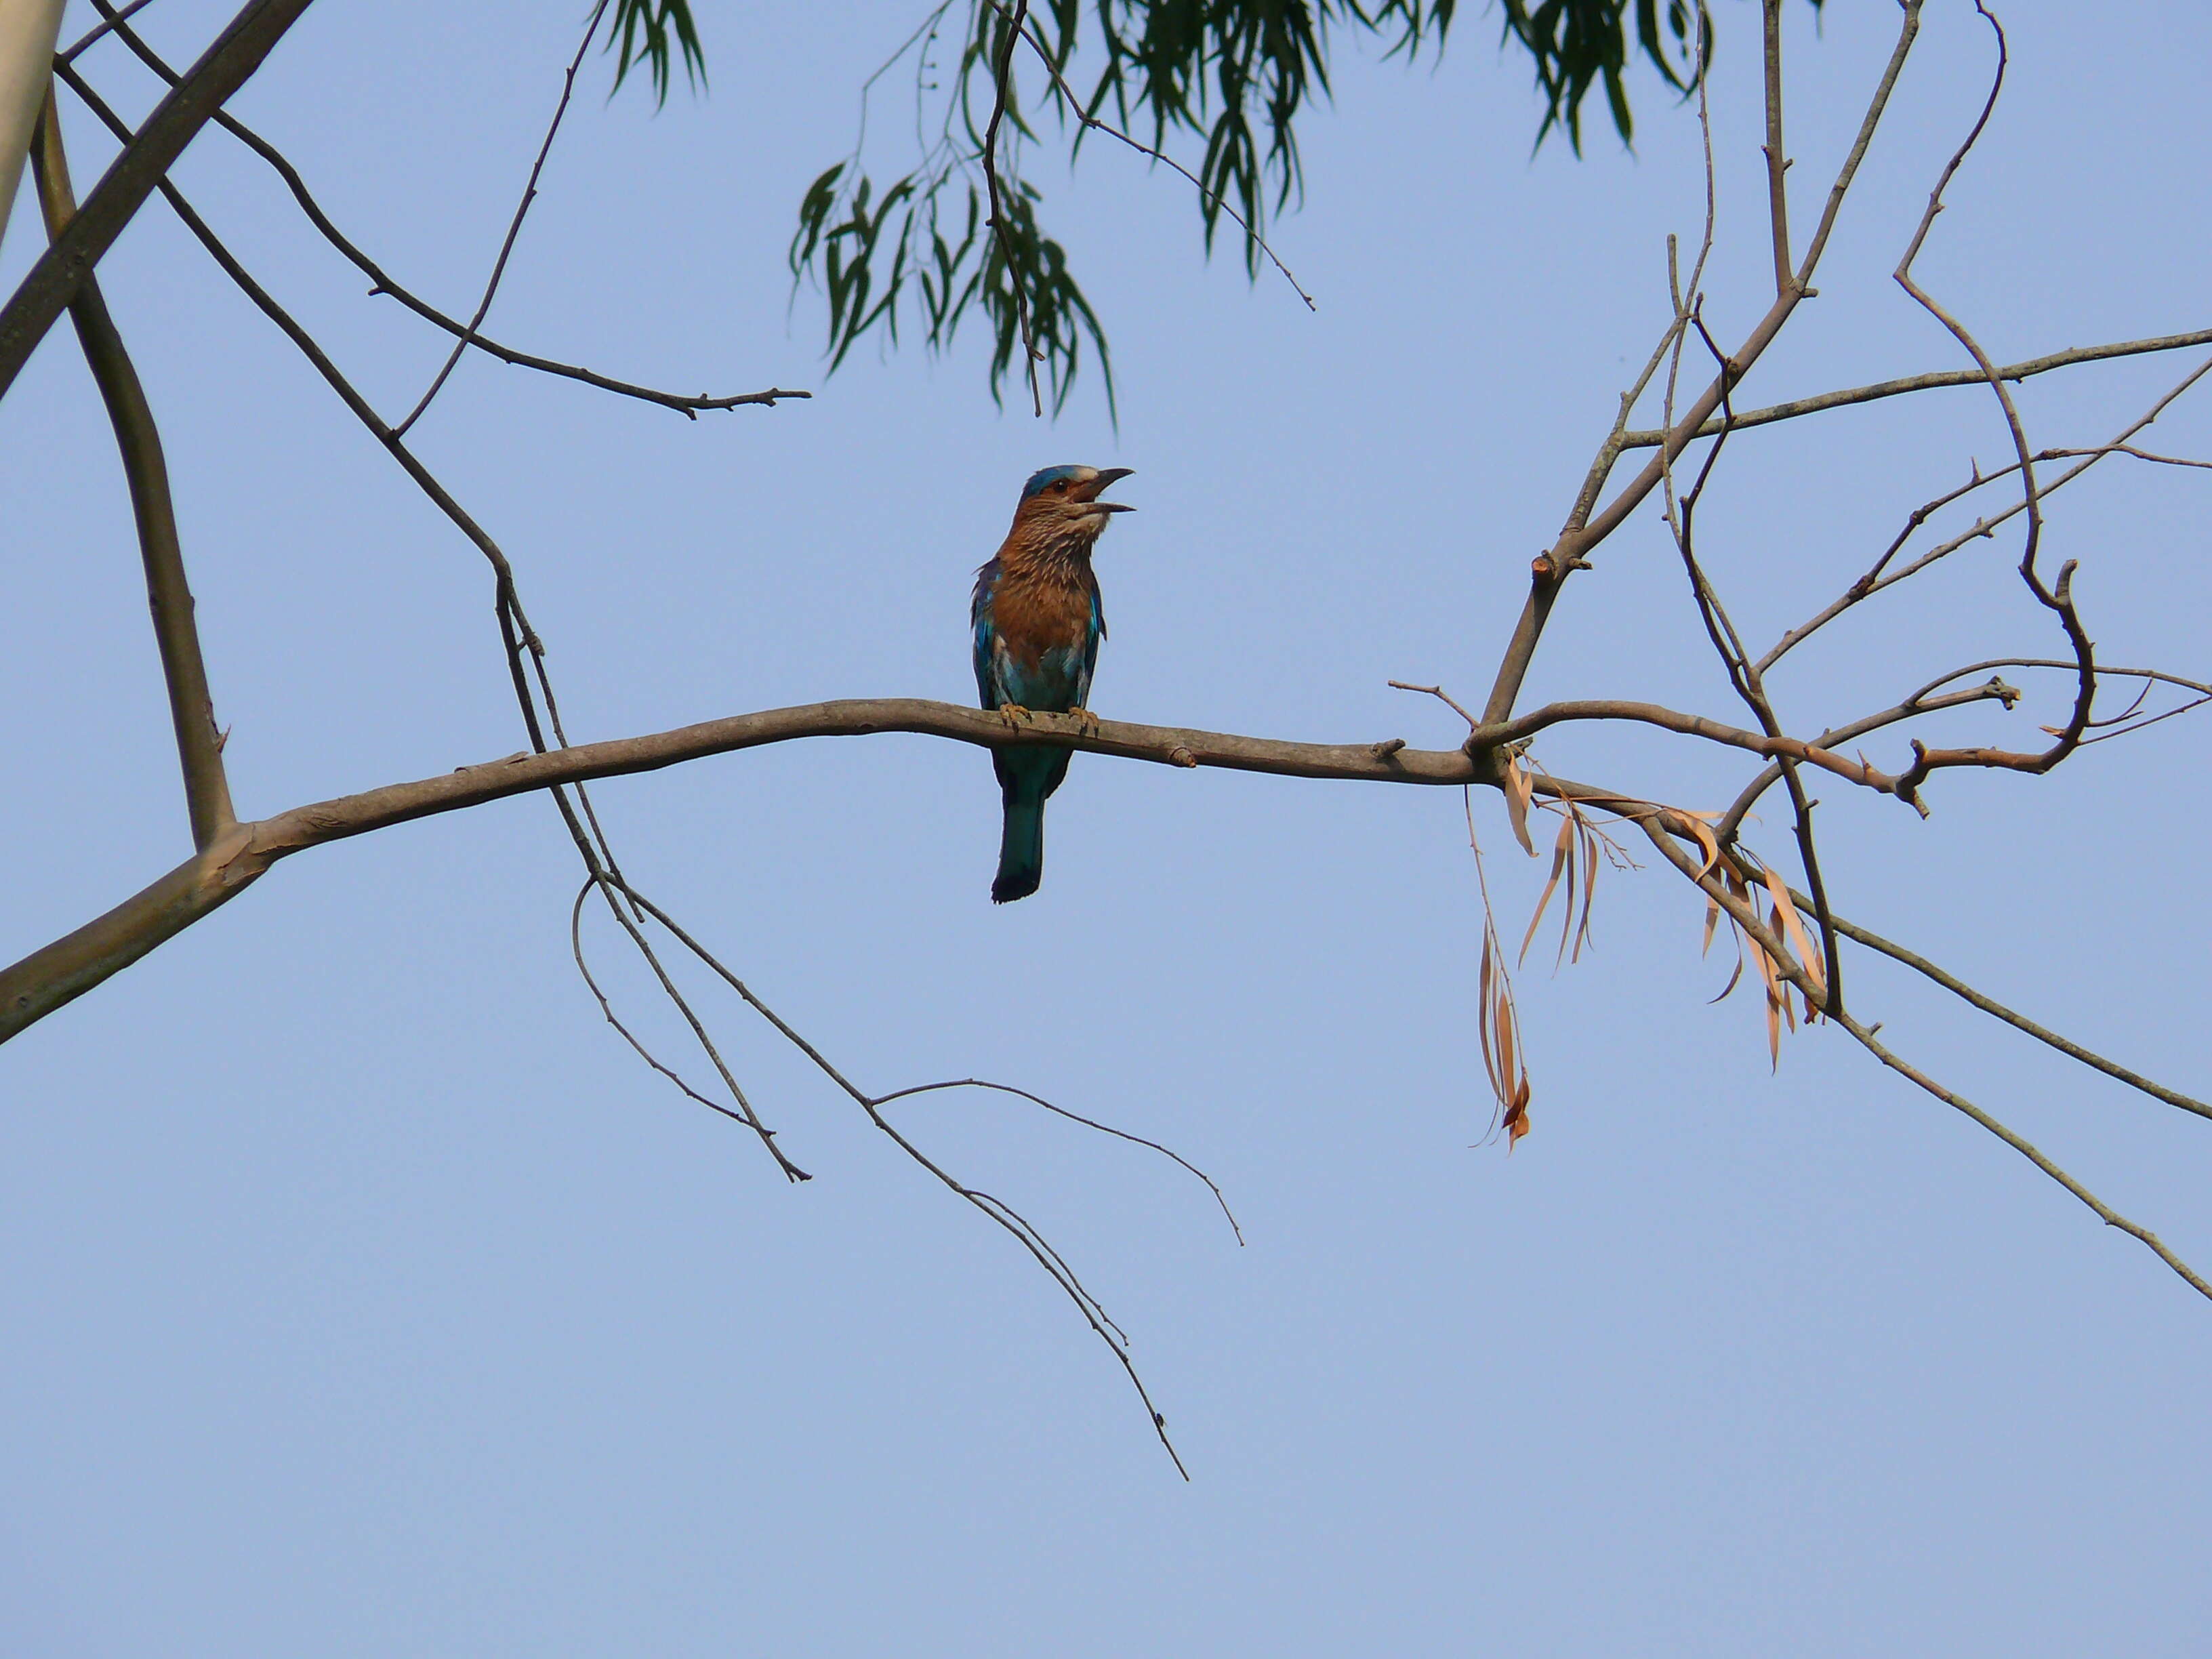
<point>1729,645</point>
<point>1170,1153</point>
<point>607,1008</point>
<point>1568,553</point>
<point>2056,596</point>
<point>1031,1240</point>
<point>110,17</point>
<point>168,593</point>
<point>1747,919</point>
<point>609,884</point>
<point>1921,702</point>
<point>1647,438</point>
<point>514,226</point>
<point>691,407</point>
<point>2027,1150</point>
<point>1879,576</point>
<point>1990,1005</point>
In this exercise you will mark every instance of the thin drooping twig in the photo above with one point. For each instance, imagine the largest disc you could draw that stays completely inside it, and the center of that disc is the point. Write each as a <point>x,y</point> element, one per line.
<point>1647,438</point>
<point>1074,107</point>
<point>514,226</point>
<point>1001,90</point>
<point>998,1210</point>
<point>608,885</point>
<point>139,439</point>
<point>1991,1006</point>
<point>52,282</point>
<point>1746,918</point>
<point>1167,1153</point>
<point>690,407</point>
<point>607,1008</point>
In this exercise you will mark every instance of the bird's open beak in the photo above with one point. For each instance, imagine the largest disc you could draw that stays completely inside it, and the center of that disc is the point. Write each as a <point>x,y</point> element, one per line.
<point>1106,480</point>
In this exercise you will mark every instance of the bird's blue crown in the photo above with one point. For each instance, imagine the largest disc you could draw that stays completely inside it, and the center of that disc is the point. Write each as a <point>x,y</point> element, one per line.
<point>1048,476</point>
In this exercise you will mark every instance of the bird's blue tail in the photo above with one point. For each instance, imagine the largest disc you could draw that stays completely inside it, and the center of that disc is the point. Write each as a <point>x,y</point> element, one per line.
<point>1021,845</point>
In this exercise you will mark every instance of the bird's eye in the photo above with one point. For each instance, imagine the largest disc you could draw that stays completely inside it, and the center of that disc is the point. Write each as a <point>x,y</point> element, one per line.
<point>1061,486</point>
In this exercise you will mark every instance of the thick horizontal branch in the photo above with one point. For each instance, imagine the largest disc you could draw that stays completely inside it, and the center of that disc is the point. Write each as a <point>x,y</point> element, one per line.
<point>53,281</point>
<point>46,980</point>
<point>1648,438</point>
<point>473,786</point>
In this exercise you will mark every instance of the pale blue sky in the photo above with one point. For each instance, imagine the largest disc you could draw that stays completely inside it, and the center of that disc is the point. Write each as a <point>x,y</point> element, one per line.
<point>362,1295</point>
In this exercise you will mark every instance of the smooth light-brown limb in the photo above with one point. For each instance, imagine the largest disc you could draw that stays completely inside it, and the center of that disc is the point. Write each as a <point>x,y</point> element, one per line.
<point>148,153</point>
<point>139,439</point>
<point>48,978</point>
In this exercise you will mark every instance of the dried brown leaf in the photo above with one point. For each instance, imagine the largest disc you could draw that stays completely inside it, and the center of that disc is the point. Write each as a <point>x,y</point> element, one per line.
<point>1783,917</point>
<point>1712,847</point>
<point>1561,859</point>
<point>1520,790</point>
<point>1587,839</point>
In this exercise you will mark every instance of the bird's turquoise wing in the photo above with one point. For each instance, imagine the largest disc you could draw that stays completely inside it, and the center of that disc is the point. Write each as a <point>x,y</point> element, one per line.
<point>978,617</point>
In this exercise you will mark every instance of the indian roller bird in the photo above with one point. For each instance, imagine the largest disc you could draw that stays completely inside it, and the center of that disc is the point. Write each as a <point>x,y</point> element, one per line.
<point>1037,624</point>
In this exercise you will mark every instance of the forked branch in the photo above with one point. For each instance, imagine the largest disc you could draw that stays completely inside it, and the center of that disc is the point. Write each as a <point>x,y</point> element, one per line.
<point>138,439</point>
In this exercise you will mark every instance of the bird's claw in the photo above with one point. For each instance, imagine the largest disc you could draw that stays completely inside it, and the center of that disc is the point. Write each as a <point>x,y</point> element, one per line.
<point>1013,714</point>
<point>1085,721</point>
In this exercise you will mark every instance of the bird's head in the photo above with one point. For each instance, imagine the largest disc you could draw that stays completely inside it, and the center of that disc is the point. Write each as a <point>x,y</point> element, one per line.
<point>1062,502</point>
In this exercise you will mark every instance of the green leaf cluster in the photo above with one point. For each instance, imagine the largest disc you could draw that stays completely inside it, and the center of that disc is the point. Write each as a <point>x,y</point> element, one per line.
<point>1232,76</point>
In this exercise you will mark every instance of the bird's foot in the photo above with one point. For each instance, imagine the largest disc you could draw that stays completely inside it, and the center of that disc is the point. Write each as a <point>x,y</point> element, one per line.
<point>1085,721</point>
<point>1013,714</point>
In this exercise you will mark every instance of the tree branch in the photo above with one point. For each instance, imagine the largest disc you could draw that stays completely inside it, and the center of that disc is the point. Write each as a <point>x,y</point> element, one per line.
<point>1568,553</point>
<point>147,156</point>
<point>1646,438</point>
<point>1747,919</point>
<point>1990,1005</point>
<point>54,976</point>
<point>514,226</point>
<point>168,594</point>
<point>1777,195</point>
<point>688,406</point>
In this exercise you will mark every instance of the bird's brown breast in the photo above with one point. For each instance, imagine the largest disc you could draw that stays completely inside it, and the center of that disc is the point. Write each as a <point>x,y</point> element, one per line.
<point>1039,610</point>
